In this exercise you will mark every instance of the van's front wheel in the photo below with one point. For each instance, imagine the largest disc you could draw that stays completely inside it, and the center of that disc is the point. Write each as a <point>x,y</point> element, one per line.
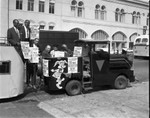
<point>73,87</point>
<point>120,82</point>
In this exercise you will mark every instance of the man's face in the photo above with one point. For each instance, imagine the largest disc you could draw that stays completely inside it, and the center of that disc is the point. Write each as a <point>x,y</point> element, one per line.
<point>16,23</point>
<point>27,23</point>
<point>48,48</point>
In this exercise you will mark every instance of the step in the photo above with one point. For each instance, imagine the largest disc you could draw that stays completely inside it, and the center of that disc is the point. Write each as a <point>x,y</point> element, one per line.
<point>89,82</point>
<point>88,88</point>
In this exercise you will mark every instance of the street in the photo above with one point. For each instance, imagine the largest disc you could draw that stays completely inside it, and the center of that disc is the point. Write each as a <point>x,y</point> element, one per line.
<point>131,102</point>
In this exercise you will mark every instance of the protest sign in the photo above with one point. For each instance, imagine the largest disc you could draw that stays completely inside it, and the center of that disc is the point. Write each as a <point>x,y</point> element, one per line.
<point>59,54</point>
<point>72,64</point>
<point>25,49</point>
<point>45,68</point>
<point>34,31</point>
<point>77,51</point>
<point>34,55</point>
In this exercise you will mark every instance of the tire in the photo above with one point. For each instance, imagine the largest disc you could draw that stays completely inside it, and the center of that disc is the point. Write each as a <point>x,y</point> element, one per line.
<point>73,87</point>
<point>120,82</point>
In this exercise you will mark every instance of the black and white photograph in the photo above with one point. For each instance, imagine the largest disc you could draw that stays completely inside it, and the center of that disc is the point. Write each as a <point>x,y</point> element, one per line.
<point>74,59</point>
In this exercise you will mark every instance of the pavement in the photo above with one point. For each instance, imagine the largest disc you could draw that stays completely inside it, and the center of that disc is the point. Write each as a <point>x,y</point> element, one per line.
<point>132,102</point>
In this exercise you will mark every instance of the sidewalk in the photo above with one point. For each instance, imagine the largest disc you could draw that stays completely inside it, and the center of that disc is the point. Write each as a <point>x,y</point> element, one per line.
<point>24,106</point>
<point>127,103</point>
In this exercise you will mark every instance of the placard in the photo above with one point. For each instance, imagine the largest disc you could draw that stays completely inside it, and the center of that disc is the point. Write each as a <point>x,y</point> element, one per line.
<point>45,68</point>
<point>59,54</point>
<point>34,54</point>
<point>77,51</point>
<point>72,64</point>
<point>25,49</point>
<point>34,32</point>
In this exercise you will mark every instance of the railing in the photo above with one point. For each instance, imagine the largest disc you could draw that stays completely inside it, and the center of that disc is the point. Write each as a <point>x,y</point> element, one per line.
<point>3,40</point>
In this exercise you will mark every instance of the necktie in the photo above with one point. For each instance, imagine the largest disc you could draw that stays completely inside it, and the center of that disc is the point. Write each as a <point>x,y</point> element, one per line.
<point>17,33</point>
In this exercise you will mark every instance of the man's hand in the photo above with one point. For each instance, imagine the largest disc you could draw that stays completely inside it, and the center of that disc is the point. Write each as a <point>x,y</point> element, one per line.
<point>18,44</point>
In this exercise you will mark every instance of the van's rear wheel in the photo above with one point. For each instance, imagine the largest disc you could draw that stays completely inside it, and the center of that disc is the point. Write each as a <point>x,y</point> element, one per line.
<point>120,82</point>
<point>73,87</point>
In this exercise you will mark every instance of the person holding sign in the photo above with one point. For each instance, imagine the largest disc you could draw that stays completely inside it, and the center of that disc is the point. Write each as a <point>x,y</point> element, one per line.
<point>46,52</point>
<point>68,52</point>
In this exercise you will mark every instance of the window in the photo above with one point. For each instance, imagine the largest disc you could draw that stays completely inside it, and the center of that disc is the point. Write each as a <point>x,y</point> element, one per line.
<point>82,34</point>
<point>99,35</point>
<point>51,27</point>
<point>97,11</point>
<point>117,15</point>
<point>144,40</point>
<point>122,16</point>
<point>30,5</point>
<point>138,18</point>
<point>51,6</point>
<point>19,4</point>
<point>138,40</point>
<point>73,7</point>
<point>41,5</point>
<point>5,67</point>
<point>80,9</point>
<point>147,20</point>
<point>103,13</point>
<point>42,26</point>
<point>134,18</point>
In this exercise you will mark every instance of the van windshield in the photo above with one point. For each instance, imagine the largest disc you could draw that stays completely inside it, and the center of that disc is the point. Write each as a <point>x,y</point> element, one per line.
<point>138,41</point>
<point>144,41</point>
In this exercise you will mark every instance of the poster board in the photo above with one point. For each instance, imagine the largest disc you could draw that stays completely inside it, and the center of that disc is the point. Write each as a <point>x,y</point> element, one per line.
<point>25,49</point>
<point>72,64</point>
<point>77,51</point>
<point>34,54</point>
<point>45,68</point>
<point>59,54</point>
<point>34,32</point>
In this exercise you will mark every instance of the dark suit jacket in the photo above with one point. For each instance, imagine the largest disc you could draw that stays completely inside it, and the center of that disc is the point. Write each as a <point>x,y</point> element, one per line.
<point>14,40</point>
<point>23,34</point>
<point>12,37</point>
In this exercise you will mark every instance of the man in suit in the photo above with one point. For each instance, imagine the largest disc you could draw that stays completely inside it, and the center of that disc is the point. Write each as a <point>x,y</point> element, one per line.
<point>25,31</point>
<point>13,37</point>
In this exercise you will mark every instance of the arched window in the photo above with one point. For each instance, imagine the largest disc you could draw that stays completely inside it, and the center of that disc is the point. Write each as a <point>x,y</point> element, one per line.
<point>51,25</point>
<point>117,15</point>
<point>73,7</point>
<point>97,11</point>
<point>103,13</point>
<point>131,40</point>
<point>82,34</point>
<point>134,18</point>
<point>42,24</point>
<point>118,42</point>
<point>80,9</point>
<point>122,15</point>
<point>138,18</point>
<point>99,35</point>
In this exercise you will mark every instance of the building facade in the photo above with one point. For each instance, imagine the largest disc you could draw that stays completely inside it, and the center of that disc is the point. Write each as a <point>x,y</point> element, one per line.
<point>119,21</point>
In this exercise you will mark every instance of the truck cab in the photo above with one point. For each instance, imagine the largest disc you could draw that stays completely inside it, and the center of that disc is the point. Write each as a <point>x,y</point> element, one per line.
<point>94,67</point>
